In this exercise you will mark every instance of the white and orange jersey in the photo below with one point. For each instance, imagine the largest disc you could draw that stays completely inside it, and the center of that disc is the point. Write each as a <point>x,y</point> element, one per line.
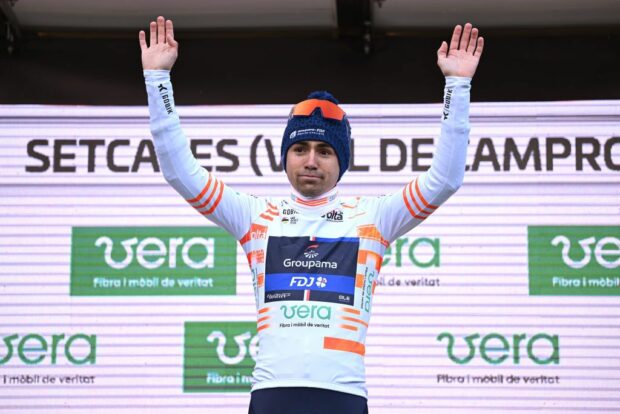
<point>314,262</point>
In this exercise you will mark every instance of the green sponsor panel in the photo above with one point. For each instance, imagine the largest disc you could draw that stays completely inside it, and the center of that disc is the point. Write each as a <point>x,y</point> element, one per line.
<point>152,261</point>
<point>574,260</point>
<point>219,356</point>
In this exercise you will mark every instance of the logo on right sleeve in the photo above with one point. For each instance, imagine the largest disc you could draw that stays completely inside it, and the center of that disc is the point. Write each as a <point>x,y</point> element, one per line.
<point>163,92</point>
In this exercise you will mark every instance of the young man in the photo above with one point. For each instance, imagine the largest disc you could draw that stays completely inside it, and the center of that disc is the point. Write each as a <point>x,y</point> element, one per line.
<point>314,256</point>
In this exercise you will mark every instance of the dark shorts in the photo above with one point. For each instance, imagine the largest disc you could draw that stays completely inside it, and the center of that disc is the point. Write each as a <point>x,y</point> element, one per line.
<point>304,400</point>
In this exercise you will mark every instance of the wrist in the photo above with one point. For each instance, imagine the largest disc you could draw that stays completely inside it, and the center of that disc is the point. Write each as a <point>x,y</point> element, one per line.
<point>156,75</point>
<point>457,80</point>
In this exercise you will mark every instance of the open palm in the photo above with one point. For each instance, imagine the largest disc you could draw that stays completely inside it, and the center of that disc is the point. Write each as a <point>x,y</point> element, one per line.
<point>162,51</point>
<point>462,58</point>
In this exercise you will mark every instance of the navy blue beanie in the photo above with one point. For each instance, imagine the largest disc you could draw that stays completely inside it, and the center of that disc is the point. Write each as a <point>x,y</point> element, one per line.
<point>317,128</point>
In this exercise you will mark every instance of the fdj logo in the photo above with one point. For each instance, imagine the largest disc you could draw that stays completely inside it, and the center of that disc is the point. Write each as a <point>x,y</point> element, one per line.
<point>422,252</point>
<point>601,252</point>
<point>542,349</point>
<point>219,356</point>
<point>32,349</point>
<point>576,260</point>
<point>308,281</point>
<point>305,312</point>
<point>152,252</point>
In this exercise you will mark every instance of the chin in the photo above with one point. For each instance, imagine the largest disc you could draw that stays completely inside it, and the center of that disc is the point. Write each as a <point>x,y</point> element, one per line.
<point>310,192</point>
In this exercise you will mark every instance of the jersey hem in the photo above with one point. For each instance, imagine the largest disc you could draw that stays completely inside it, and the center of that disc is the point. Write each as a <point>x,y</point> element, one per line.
<point>311,384</point>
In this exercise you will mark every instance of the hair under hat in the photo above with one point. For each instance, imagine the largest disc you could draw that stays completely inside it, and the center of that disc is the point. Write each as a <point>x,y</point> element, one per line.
<point>315,127</point>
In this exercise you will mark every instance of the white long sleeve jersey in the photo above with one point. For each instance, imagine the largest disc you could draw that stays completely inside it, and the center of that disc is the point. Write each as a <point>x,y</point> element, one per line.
<point>314,262</point>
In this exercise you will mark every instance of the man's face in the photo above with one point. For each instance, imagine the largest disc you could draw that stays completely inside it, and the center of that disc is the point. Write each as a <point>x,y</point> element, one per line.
<point>312,167</point>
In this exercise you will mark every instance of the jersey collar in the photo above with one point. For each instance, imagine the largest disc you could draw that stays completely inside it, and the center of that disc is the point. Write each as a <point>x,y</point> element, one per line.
<point>326,200</point>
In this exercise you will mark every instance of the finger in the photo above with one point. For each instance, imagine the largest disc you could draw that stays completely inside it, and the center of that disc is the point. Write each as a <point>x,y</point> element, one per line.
<point>473,39</point>
<point>456,35</point>
<point>142,40</point>
<point>169,29</point>
<point>161,30</point>
<point>153,37</point>
<point>442,51</point>
<point>479,47</point>
<point>171,41</point>
<point>465,37</point>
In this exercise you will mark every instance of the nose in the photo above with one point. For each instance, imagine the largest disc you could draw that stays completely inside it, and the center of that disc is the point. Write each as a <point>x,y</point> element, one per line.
<point>311,159</point>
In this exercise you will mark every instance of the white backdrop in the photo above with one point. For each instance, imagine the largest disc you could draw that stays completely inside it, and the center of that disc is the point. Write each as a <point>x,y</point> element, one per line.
<point>483,308</point>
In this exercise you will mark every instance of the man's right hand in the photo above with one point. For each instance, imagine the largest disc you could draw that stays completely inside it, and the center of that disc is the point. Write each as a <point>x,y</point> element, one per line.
<point>163,49</point>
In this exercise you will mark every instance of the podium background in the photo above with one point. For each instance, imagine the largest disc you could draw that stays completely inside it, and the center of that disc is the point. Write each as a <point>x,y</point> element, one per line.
<point>473,271</point>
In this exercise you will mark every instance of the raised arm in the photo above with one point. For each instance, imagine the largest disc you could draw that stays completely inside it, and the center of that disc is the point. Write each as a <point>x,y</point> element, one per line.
<point>404,210</point>
<point>208,195</point>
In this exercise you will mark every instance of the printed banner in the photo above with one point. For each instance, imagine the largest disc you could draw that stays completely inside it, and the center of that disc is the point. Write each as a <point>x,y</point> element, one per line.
<point>118,298</point>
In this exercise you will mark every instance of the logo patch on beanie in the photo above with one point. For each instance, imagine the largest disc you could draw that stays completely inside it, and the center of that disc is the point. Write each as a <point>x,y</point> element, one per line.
<point>307,131</point>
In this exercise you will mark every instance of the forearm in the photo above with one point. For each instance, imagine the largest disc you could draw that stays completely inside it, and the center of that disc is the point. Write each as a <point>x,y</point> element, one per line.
<point>447,170</point>
<point>177,163</point>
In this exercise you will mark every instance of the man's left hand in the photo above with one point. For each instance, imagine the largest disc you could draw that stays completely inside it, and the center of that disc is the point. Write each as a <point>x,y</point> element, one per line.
<point>462,58</point>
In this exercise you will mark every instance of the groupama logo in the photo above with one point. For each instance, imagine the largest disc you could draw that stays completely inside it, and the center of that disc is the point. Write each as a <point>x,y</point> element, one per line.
<point>310,253</point>
<point>495,348</point>
<point>115,261</point>
<point>575,260</point>
<point>219,356</point>
<point>36,349</point>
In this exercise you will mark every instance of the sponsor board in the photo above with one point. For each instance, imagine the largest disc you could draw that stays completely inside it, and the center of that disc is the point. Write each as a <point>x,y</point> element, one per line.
<point>142,261</point>
<point>411,253</point>
<point>574,260</point>
<point>39,351</point>
<point>500,351</point>
<point>219,356</point>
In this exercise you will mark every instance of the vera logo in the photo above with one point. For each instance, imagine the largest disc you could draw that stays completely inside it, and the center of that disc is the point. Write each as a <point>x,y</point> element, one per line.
<point>159,251</point>
<point>541,349</point>
<point>586,244</point>
<point>310,253</point>
<point>219,356</point>
<point>576,260</point>
<point>34,349</point>
<point>420,252</point>
<point>110,261</point>
<point>241,339</point>
<point>305,312</point>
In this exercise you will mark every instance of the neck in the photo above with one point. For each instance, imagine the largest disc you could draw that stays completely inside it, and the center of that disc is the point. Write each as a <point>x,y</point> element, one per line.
<point>322,200</point>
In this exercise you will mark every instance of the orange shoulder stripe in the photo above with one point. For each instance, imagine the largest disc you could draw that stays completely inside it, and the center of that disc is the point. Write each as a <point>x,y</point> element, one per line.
<point>217,201</point>
<point>419,193</point>
<point>202,193</point>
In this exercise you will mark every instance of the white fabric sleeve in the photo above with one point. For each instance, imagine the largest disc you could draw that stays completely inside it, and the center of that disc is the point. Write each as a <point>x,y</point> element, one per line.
<point>208,195</point>
<point>403,210</point>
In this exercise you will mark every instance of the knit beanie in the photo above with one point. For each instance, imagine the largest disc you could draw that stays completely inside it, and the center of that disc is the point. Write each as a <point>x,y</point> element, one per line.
<point>316,127</point>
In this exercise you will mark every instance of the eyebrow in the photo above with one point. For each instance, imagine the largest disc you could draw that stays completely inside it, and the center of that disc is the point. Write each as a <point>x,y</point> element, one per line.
<point>320,144</point>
